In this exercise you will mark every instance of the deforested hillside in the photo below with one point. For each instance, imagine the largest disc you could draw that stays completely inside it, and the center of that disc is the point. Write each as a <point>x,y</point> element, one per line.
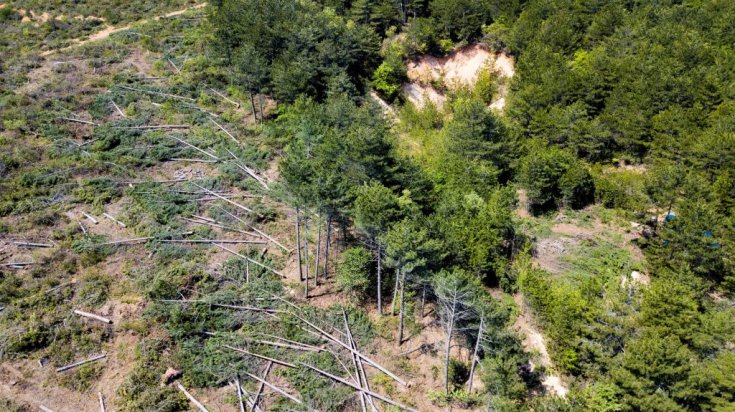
<point>251,205</point>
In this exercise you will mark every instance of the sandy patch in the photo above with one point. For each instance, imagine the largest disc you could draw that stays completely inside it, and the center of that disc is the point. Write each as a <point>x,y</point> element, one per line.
<point>460,68</point>
<point>534,342</point>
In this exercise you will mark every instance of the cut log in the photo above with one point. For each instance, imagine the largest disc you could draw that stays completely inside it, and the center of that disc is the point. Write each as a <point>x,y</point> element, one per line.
<point>80,363</point>
<point>191,398</point>
<point>92,219</point>
<point>275,388</point>
<point>84,230</point>
<point>224,130</point>
<point>247,170</point>
<point>223,305</point>
<point>158,93</point>
<point>174,66</point>
<point>214,241</point>
<point>31,244</point>
<point>92,316</point>
<point>352,385</point>
<point>252,261</point>
<point>261,386</point>
<point>223,198</point>
<point>181,159</point>
<point>155,127</point>
<point>305,348</point>
<point>16,264</point>
<point>70,119</point>
<point>45,408</point>
<point>358,378</point>
<point>124,241</point>
<point>117,108</point>
<point>260,232</point>
<point>107,215</point>
<point>102,402</point>
<point>194,147</point>
<point>227,99</point>
<point>349,348</point>
<point>280,362</point>
<point>239,395</point>
<point>221,226</point>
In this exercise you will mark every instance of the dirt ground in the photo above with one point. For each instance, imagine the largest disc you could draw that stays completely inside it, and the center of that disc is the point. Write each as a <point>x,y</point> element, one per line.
<point>459,68</point>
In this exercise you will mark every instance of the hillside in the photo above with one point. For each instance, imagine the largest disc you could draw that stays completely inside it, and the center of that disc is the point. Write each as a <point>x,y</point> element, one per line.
<point>342,206</point>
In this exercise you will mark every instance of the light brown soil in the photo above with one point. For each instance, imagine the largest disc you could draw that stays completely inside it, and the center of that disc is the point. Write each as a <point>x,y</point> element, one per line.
<point>534,343</point>
<point>460,68</point>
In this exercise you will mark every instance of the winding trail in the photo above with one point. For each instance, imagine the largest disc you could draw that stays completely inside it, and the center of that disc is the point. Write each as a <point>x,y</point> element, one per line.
<point>110,30</point>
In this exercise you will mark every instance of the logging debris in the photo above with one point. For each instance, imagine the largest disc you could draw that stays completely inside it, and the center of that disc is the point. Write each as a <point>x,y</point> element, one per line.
<point>92,316</point>
<point>80,363</point>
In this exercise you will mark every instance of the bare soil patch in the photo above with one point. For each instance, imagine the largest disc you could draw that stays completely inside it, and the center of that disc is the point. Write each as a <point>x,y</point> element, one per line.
<point>460,68</point>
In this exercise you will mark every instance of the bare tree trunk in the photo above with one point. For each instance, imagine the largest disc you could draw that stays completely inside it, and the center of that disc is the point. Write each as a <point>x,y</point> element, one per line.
<point>447,347</point>
<point>395,295</point>
<point>252,104</point>
<point>306,253</point>
<point>298,244</point>
<point>380,281</point>
<point>474,355</point>
<point>326,246</point>
<point>423,301</point>
<point>318,252</point>
<point>401,313</point>
<point>260,100</point>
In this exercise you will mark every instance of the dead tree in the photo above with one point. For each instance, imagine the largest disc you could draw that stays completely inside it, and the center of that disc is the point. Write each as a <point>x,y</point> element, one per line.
<point>298,244</point>
<point>475,353</point>
<point>454,293</point>
<point>326,245</point>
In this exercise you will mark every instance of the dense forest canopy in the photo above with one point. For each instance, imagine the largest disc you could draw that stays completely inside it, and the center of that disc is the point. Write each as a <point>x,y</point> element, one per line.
<point>598,84</point>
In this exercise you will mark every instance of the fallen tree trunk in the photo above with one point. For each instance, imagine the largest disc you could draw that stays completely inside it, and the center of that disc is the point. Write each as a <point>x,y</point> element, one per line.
<point>352,385</point>
<point>349,348</point>
<point>275,388</point>
<point>194,147</point>
<point>92,316</point>
<point>31,244</point>
<point>211,193</point>
<point>155,127</point>
<point>88,216</point>
<point>117,108</point>
<point>70,119</point>
<point>226,132</point>
<point>280,362</point>
<point>213,241</point>
<point>157,93</point>
<point>252,261</point>
<point>191,398</point>
<point>107,215</point>
<point>225,98</point>
<point>80,363</point>
<point>261,386</point>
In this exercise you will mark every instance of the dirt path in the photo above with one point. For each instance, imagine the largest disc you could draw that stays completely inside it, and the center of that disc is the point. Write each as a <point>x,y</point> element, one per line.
<point>109,30</point>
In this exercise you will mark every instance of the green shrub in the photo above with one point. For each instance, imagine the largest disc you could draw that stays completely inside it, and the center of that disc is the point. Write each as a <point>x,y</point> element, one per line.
<point>621,189</point>
<point>353,272</point>
<point>577,186</point>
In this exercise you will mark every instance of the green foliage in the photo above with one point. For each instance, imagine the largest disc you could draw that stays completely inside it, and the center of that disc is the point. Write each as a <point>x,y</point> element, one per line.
<point>552,176</point>
<point>293,48</point>
<point>620,189</point>
<point>354,272</point>
<point>387,80</point>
